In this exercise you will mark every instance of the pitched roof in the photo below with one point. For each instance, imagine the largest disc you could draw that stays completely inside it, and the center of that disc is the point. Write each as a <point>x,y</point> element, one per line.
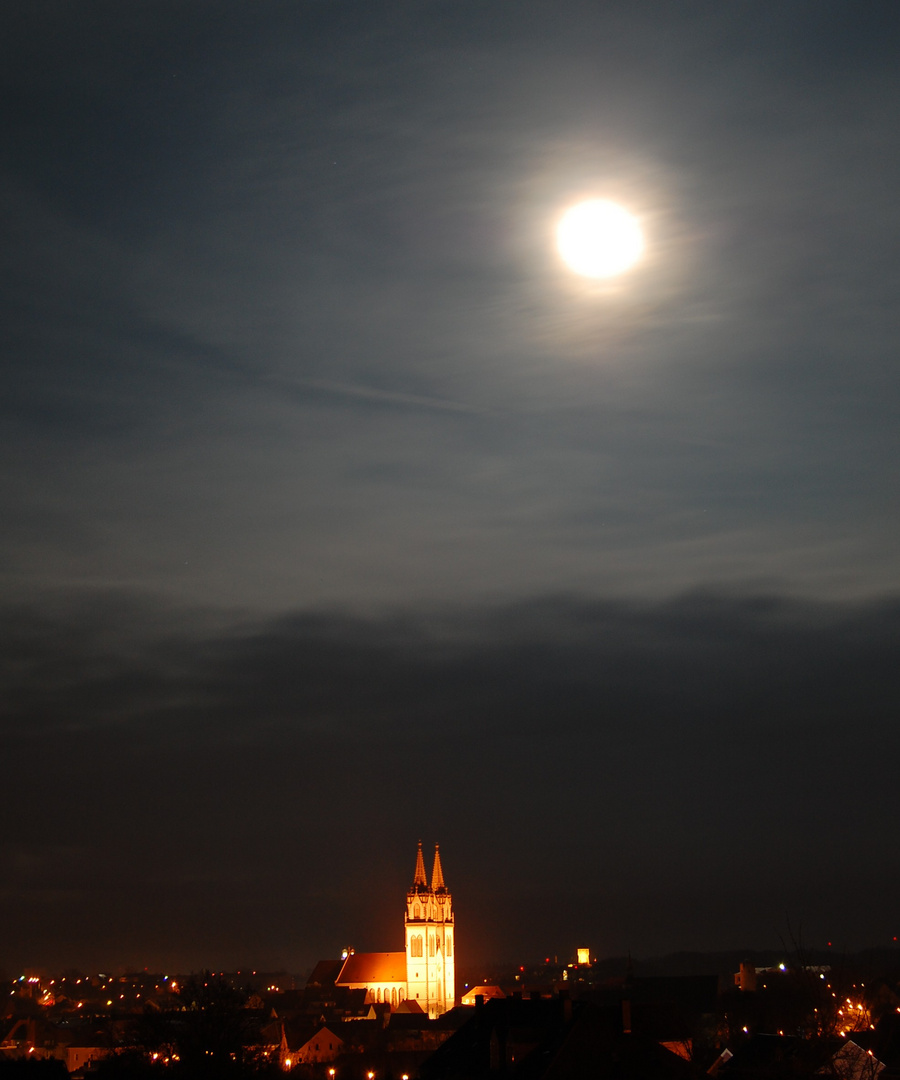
<point>324,973</point>
<point>373,967</point>
<point>323,1032</point>
<point>410,1006</point>
<point>486,992</point>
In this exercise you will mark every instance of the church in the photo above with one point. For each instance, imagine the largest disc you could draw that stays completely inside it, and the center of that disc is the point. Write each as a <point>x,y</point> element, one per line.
<point>424,973</point>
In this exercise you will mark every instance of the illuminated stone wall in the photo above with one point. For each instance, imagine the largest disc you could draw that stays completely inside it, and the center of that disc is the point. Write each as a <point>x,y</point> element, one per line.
<point>430,941</point>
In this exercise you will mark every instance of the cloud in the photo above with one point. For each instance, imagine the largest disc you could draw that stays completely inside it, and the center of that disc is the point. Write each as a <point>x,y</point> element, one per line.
<point>688,739</point>
<point>317,451</point>
<point>705,658</point>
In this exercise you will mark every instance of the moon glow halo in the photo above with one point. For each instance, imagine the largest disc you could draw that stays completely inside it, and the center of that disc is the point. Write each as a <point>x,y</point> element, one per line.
<point>599,239</point>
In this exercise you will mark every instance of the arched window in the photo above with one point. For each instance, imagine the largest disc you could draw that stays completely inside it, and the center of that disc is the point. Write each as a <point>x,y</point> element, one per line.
<point>394,997</point>
<point>379,995</point>
<point>431,944</point>
<point>401,994</point>
<point>417,912</point>
<point>416,949</point>
<point>449,944</point>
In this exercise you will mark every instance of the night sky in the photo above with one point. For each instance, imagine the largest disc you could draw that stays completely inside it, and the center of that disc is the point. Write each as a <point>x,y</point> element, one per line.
<point>338,512</point>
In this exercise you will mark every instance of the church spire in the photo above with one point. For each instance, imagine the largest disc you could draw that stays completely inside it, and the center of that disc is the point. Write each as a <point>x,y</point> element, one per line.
<point>437,876</point>
<point>420,879</point>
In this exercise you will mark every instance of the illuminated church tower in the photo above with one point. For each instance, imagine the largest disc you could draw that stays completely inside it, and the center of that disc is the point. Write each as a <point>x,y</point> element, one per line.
<point>429,940</point>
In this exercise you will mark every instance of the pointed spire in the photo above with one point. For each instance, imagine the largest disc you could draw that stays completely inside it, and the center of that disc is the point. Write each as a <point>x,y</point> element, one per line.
<point>437,876</point>
<point>420,878</point>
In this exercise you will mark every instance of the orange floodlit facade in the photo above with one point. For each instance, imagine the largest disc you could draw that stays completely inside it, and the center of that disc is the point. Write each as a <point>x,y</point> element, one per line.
<point>430,940</point>
<point>425,972</point>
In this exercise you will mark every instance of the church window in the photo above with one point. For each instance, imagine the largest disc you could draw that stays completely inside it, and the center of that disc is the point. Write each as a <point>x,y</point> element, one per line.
<point>449,945</point>
<point>394,997</point>
<point>417,913</point>
<point>431,944</point>
<point>401,994</point>
<point>379,995</point>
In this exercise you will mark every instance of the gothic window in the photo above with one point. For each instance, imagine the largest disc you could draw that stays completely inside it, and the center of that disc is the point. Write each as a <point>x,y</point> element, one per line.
<point>417,912</point>
<point>449,945</point>
<point>415,945</point>
<point>379,994</point>
<point>394,997</point>
<point>431,944</point>
<point>401,994</point>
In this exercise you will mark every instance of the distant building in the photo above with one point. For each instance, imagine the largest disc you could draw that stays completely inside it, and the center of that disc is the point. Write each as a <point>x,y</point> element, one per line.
<point>324,1045</point>
<point>425,972</point>
<point>483,992</point>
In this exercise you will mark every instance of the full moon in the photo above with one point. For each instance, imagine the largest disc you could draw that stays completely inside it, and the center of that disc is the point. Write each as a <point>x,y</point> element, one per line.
<point>599,239</point>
